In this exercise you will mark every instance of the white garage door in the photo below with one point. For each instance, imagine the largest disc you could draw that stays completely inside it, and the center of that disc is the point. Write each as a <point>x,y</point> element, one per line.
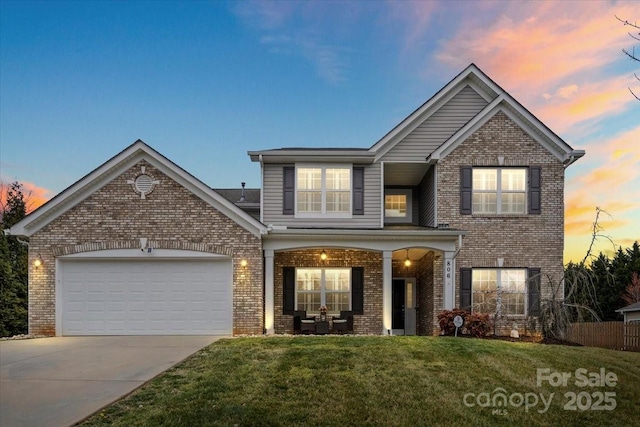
<point>143,297</point>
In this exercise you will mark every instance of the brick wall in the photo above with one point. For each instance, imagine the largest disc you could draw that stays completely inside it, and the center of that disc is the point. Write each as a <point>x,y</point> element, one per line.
<point>521,240</point>
<point>426,293</point>
<point>171,217</point>
<point>428,274</point>
<point>368,323</point>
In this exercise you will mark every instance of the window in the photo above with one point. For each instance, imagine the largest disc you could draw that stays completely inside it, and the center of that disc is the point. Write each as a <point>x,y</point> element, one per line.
<point>397,205</point>
<point>330,287</point>
<point>323,190</point>
<point>499,290</point>
<point>499,191</point>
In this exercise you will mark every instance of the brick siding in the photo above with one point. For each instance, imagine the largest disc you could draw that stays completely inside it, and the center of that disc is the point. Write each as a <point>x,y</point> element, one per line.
<point>521,240</point>
<point>171,217</point>
<point>368,323</point>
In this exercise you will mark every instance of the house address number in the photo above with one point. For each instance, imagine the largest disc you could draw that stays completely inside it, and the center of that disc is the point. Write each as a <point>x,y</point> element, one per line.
<point>448,273</point>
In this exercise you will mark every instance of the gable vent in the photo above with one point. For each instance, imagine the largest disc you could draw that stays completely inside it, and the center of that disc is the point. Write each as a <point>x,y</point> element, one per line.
<point>144,184</point>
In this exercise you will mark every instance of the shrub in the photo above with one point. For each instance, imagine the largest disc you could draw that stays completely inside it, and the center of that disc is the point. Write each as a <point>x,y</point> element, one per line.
<point>475,324</point>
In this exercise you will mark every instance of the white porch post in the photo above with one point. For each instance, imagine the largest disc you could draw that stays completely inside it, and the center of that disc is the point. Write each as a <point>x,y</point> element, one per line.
<point>449,268</point>
<point>268,292</point>
<point>387,276</point>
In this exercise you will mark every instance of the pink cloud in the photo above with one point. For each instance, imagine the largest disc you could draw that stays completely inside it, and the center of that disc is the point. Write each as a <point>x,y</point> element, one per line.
<point>550,56</point>
<point>612,185</point>
<point>34,195</point>
<point>565,92</point>
<point>574,104</point>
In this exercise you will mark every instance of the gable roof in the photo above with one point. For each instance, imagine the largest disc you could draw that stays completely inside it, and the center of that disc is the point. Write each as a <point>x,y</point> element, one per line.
<point>631,307</point>
<point>498,100</point>
<point>113,168</point>
<point>496,97</point>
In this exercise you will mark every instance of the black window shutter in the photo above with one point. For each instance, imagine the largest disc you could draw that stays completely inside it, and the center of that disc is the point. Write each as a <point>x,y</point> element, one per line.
<point>288,190</point>
<point>289,290</point>
<point>534,291</point>
<point>466,183</point>
<point>465,289</point>
<point>358,191</point>
<point>535,190</point>
<point>357,290</point>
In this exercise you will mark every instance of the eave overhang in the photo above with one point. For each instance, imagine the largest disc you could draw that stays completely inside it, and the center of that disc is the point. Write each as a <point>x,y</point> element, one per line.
<point>101,176</point>
<point>528,122</point>
<point>328,155</point>
<point>367,239</point>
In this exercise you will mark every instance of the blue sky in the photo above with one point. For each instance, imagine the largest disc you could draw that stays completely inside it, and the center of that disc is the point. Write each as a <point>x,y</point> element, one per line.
<point>204,82</point>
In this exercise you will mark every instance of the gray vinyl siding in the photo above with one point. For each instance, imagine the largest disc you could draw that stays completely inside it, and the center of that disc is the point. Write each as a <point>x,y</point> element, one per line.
<point>436,129</point>
<point>415,206</point>
<point>426,189</point>
<point>272,202</point>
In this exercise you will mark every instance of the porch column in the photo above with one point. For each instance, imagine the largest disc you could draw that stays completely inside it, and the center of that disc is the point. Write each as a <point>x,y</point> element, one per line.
<point>268,292</point>
<point>449,269</point>
<point>387,275</point>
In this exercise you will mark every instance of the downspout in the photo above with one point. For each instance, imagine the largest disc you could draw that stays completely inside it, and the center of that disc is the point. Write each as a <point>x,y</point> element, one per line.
<point>7,232</point>
<point>569,162</point>
<point>261,189</point>
<point>455,254</point>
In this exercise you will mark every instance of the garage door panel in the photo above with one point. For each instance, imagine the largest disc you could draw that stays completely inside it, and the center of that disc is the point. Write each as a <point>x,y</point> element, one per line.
<point>108,297</point>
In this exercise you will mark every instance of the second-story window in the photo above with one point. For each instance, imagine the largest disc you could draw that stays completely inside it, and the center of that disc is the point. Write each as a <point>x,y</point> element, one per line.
<point>397,206</point>
<point>323,190</point>
<point>499,191</point>
<point>310,190</point>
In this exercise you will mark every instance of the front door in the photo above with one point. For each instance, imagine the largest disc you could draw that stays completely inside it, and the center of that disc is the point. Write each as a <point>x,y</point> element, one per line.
<point>397,304</point>
<point>403,308</point>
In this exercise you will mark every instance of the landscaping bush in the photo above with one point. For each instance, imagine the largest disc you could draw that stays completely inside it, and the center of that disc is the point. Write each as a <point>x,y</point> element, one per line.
<point>475,324</point>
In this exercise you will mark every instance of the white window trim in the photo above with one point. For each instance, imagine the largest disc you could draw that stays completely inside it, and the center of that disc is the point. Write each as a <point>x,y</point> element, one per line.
<point>498,192</point>
<point>323,290</point>
<point>408,219</point>
<point>499,284</point>
<point>323,203</point>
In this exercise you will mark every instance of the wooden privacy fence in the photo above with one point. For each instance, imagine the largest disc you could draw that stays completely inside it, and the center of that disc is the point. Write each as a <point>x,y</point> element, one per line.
<point>613,335</point>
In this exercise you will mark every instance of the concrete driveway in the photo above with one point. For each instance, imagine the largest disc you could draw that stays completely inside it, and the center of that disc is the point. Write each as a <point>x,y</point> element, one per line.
<point>59,381</point>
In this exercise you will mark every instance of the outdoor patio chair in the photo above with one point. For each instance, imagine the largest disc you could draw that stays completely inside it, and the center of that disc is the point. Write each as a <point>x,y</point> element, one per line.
<point>308,325</point>
<point>344,323</point>
<point>297,320</point>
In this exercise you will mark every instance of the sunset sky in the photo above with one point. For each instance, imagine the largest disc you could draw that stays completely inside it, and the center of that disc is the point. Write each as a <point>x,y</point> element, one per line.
<point>204,82</point>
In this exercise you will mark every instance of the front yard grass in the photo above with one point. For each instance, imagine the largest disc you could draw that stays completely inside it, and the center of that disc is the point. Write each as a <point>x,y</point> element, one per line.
<point>289,381</point>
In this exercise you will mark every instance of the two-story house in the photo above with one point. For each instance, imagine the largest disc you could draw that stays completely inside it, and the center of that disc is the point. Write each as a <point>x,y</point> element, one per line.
<point>460,205</point>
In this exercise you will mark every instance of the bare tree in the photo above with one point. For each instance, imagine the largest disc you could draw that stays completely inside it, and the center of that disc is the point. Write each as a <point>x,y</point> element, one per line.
<point>561,308</point>
<point>632,54</point>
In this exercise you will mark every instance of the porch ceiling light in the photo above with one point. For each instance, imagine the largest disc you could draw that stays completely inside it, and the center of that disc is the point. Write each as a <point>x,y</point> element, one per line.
<point>38,261</point>
<point>407,261</point>
<point>323,255</point>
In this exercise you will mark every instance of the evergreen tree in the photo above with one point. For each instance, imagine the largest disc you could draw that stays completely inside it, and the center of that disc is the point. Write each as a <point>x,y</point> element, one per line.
<point>13,266</point>
<point>607,290</point>
<point>13,298</point>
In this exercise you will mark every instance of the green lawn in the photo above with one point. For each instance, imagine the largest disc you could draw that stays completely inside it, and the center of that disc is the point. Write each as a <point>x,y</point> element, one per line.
<point>382,381</point>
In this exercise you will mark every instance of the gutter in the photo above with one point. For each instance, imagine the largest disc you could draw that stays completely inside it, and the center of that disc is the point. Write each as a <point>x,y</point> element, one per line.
<point>572,157</point>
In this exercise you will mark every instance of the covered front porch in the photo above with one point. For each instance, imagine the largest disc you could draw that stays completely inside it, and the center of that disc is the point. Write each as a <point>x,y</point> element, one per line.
<point>392,281</point>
